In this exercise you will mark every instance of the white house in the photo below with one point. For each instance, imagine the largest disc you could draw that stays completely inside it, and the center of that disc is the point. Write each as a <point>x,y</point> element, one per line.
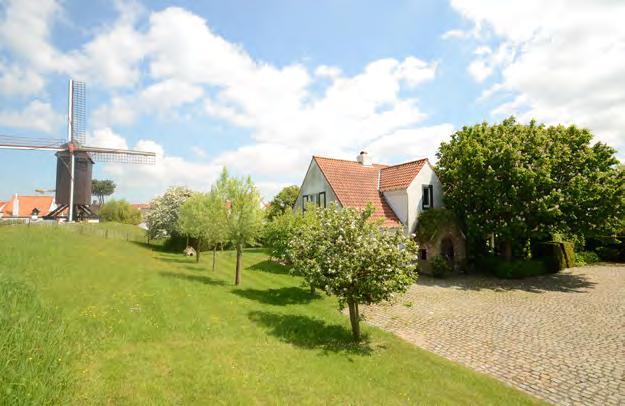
<point>399,193</point>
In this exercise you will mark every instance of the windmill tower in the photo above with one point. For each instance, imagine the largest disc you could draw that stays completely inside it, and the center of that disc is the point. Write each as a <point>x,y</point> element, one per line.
<point>74,159</point>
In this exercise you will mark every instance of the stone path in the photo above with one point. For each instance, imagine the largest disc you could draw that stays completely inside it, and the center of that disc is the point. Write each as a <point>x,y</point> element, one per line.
<point>560,337</point>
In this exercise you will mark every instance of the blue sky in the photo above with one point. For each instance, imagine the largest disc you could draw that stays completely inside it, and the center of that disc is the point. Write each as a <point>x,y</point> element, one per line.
<point>262,86</point>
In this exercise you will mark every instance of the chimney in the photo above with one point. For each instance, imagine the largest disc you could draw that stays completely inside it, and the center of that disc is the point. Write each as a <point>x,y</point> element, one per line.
<point>364,159</point>
<point>16,207</point>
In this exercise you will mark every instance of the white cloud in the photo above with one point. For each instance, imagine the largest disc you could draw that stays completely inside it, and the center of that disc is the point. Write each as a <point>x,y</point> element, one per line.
<point>37,115</point>
<point>561,61</point>
<point>409,144</point>
<point>106,138</point>
<point>18,81</point>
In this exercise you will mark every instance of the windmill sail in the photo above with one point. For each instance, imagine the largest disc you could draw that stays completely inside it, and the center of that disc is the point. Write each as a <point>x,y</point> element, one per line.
<point>120,155</point>
<point>78,112</point>
<point>45,144</point>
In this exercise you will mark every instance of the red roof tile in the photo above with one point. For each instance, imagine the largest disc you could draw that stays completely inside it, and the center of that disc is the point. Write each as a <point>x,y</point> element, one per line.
<point>400,176</point>
<point>356,185</point>
<point>27,204</point>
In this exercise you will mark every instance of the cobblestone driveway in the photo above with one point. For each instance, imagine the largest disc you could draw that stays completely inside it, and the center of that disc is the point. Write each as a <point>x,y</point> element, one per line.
<point>560,337</point>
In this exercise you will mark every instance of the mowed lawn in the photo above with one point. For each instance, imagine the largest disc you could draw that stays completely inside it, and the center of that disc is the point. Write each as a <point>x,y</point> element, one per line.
<point>84,319</point>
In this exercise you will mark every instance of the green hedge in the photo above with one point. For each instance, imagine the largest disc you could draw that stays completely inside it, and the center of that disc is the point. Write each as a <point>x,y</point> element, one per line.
<point>556,255</point>
<point>586,258</point>
<point>512,269</point>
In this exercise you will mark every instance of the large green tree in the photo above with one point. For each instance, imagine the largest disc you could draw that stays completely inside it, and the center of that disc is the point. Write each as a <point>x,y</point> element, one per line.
<point>520,182</point>
<point>282,202</point>
<point>102,188</point>
<point>119,211</point>
<point>241,212</point>
<point>349,256</point>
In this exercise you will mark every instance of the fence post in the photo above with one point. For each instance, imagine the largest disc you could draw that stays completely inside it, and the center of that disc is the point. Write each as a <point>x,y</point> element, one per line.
<point>106,234</point>
<point>126,236</point>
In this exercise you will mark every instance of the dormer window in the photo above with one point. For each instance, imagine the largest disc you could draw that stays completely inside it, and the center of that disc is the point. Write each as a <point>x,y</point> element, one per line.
<point>428,197</point>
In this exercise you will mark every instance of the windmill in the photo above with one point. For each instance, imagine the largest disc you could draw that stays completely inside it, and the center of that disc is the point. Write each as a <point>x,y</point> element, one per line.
<point>74,160</point>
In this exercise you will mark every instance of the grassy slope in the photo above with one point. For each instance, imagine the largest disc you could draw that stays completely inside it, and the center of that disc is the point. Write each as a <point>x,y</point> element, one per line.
<point>108,321</point>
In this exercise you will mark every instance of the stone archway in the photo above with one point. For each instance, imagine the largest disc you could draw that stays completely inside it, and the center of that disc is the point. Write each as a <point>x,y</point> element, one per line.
<point>447,250</point>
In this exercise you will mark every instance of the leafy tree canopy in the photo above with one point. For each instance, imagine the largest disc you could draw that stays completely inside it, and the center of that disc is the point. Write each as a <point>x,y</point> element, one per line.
<point>283,201</point>
<point>351,257</point>
<point>102,188</point>
<point>119,211</point>
<point>164,210</point>
<point>529,181</point>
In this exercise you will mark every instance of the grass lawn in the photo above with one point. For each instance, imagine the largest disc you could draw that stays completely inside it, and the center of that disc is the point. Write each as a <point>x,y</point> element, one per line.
<point>84,319</point>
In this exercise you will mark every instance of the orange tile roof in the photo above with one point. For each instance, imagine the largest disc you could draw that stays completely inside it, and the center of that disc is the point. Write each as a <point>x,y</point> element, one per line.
<point>27,204</point>
<point>356,185</point>
<point>141,206</point>
<point>400,176</point>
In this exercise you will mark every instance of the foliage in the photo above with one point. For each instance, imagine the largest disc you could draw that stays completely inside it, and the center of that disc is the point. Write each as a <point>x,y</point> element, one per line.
<point>608,253</point>
<point>440,267</point>
<point>101,188</point>
<point>554,255</point>
<point>283,202</point>
<point>525,182</point>
<point>241,213</point>
<point>277,233</point>
<point>349,256</point>
<point>201,218</point>
<point>432,221</point>
<point>119,211</point>
<point>163,217</point>
<point>586,258</point>
<point>156,316</point>
<point>517,269</point>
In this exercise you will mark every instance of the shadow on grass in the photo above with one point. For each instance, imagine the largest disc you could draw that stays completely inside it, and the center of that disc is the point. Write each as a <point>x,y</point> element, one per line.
<point>269,266</point>
<point>278,297</point>
<point>560,282</point>
<point>310,333</point>
<point>183,260</point>
<point>193,278</point>
<point>152,246</point>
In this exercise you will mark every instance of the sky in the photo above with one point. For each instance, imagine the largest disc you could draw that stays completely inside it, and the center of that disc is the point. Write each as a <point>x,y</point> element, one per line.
<point>260,87</point>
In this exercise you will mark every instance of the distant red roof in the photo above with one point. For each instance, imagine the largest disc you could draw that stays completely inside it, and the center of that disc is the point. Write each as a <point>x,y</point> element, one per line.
<point>400,176</point>
<point>141,206</point>
<point>27,204</point>
<point>356,185</point>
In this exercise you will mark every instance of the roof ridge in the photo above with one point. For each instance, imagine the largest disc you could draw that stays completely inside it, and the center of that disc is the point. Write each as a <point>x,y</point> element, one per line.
<point>347,160</point>
<point>406,163</point>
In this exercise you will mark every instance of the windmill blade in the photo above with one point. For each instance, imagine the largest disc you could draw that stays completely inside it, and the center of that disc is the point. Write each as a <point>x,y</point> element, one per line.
<point>31,143</point>
<point>125,156</point>
<point>78,111</point>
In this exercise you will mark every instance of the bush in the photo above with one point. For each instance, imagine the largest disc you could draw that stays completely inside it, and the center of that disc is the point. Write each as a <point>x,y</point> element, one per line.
<point>119,211</point>
<point>440,267</point>
<point>586,258</point>
<point>512,269</point>
<point>608,253</point>
<point>556,255</point>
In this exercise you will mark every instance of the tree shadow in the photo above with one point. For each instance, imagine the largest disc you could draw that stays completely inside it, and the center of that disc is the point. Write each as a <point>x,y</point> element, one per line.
<point>152,246</point>
<point>269,266</point>
<point>193,278</point>
<point>185,260</point>
<point>310,333</point>
<point>278,297</point>
<point>559,282</point>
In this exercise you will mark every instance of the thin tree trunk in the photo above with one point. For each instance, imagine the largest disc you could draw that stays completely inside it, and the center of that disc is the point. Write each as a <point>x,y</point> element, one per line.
<point>312,290</point>
<point>214,254</point>
<point>354,318</point>
<point>507,250</point>
<point>237,276</point>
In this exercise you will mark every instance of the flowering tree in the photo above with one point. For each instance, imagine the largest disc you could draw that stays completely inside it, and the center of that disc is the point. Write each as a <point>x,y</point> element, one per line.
<point>163,217</point>
<point>520,182</point>
<point>349,256</point>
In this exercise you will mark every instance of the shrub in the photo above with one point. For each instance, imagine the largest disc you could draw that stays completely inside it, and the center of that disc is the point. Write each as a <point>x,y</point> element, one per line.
<point>522,268</point>
<point>608,253</point>
<point>440,267</point>
<point>119,211</point>
<point>556,255</point>
<point>586,258</point>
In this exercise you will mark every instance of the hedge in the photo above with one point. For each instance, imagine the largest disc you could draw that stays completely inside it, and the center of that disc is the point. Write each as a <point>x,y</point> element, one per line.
<point>556,255</point>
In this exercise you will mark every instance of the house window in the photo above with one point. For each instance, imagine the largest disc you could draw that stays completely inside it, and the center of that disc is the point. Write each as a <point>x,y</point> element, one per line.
<point>423,254</point>
<point>428,197</point>
<point>321,199</point>
<point>304,202</point>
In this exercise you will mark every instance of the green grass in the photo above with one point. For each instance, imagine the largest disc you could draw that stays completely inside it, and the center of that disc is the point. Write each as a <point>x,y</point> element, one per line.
<point>89,320</point>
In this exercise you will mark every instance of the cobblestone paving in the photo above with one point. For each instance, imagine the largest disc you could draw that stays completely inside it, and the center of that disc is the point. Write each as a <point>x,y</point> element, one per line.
<point>560,337</point>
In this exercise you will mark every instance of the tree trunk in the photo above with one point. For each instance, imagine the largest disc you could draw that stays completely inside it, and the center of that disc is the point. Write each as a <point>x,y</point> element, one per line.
<point>214,254</point>
<point>312,290</point>
<point>354,318</point>
<point>237,276</point>
<point>507,250</point>
<point>197,250</point>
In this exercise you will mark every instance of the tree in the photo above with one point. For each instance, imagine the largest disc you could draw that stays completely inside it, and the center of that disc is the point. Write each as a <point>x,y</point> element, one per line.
<point>201,218</point>
<point>241,212</point>
<point>353,258</point>
<point>119,211</point>
<point>521,182</point>
<point>102,188</point>
<point>163,217</point>
<point>283,201</point>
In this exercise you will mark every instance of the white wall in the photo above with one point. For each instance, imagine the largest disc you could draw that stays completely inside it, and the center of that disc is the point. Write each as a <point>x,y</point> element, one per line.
<point>315,182</point>
<point>398,200</point>
<point>415,194</point>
